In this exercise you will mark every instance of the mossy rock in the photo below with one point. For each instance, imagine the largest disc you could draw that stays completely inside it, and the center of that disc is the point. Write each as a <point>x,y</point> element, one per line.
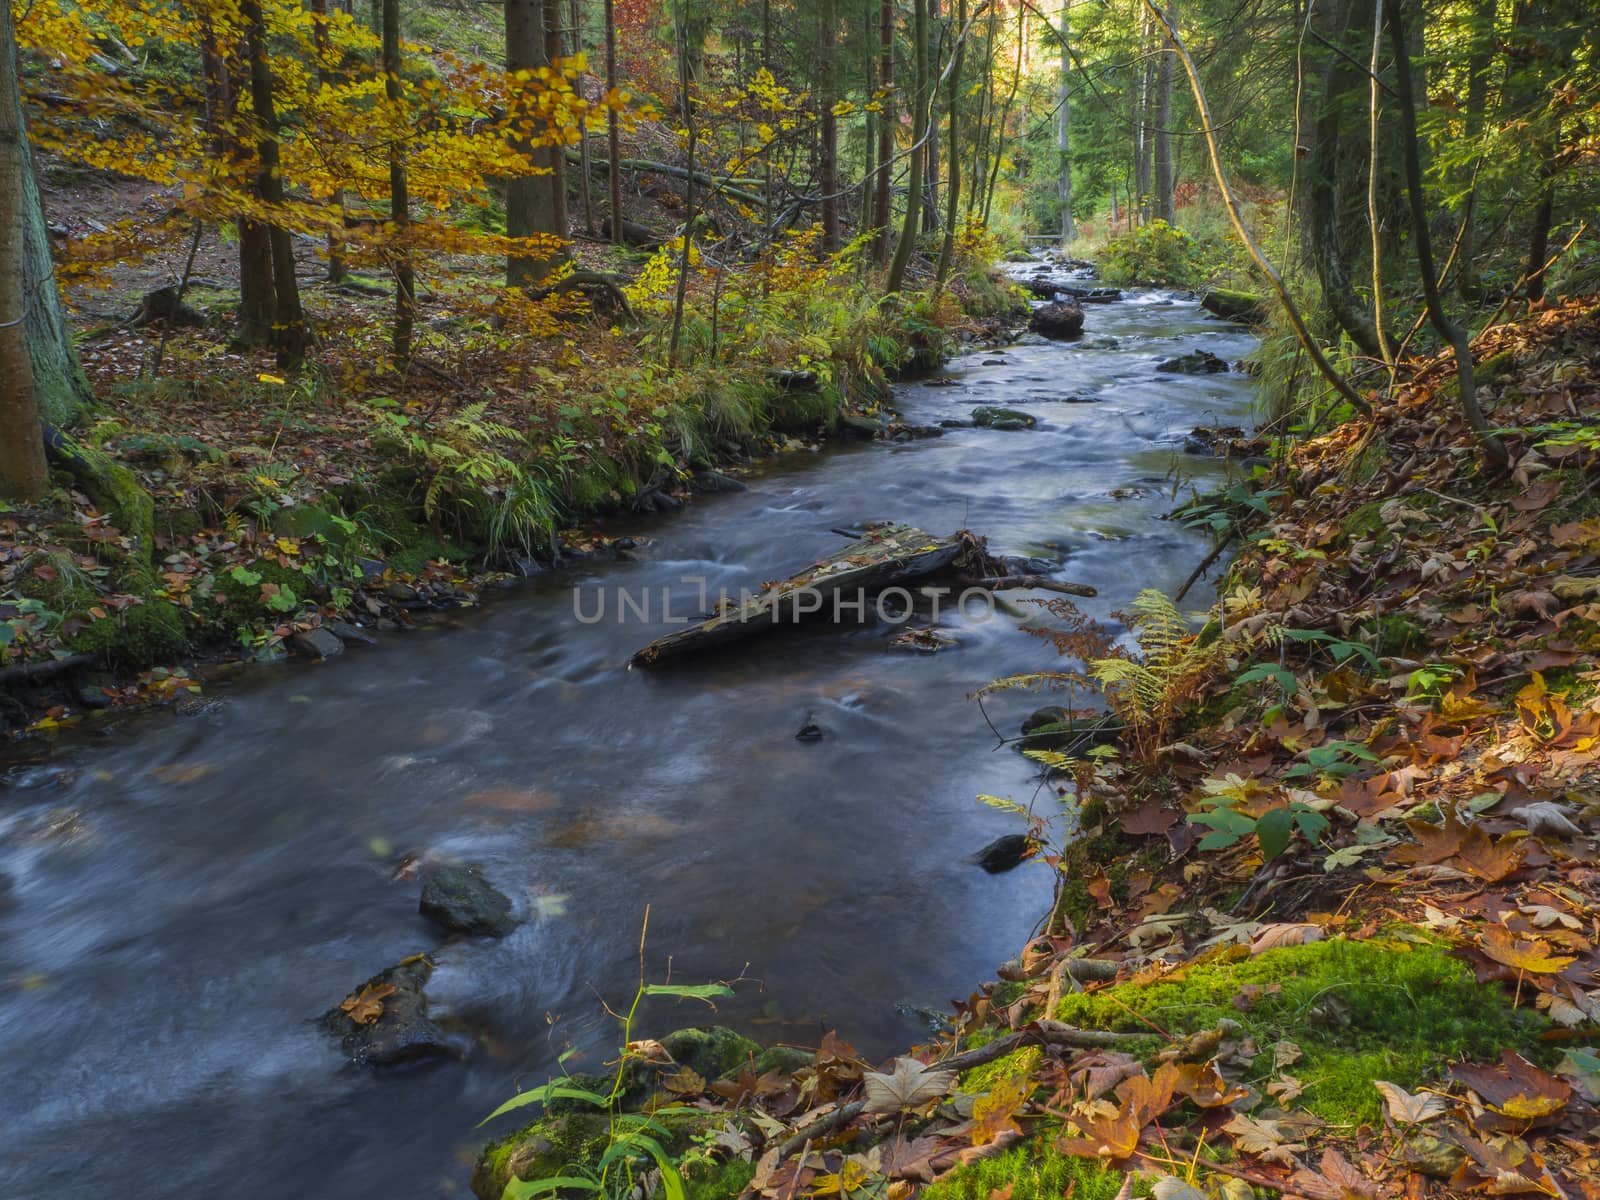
<point>711,1051</point>
<point>141,636</point>
<point>545,1149</point>
<point>569,1144</point>
<point>784,1059</point>
<point>309,520</point>
<point>1360,1011</point>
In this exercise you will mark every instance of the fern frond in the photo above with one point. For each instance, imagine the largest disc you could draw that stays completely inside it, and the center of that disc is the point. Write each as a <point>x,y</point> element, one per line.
<point>1032,681</point>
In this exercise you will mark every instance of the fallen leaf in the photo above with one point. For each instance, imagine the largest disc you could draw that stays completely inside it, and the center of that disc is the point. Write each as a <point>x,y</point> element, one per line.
<point>1407,1109</point>
<point>366,1006</point>
<point>910,1085</point>
<point>1533,954</point>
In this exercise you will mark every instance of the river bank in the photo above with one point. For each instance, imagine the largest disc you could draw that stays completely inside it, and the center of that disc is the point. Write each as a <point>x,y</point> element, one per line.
<point>1323,925</point>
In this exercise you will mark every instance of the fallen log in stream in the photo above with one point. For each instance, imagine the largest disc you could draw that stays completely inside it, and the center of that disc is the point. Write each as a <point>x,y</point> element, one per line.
<point>883,556</point>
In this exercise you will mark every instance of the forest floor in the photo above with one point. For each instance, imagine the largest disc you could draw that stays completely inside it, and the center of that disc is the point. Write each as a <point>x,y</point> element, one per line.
<point>1329,927</point>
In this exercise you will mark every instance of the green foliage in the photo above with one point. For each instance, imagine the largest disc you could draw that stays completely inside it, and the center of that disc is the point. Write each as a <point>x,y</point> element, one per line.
<point>1222,813</point>
<point>1156,254</point>
<point>1147,692</point>
<point>1359,1011</point>
<point>619,1146</point>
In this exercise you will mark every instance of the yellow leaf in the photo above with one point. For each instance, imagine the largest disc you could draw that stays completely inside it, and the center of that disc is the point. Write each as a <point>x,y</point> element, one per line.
<point>1533,955</point>
<point>366,1006</point>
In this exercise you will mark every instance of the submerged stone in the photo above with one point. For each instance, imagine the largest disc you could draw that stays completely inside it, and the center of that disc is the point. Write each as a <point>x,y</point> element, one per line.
<point>1201,362</point>
<point>1002,418</point>
<point>385,1021</point>
<point>459,899</point>
<point>317,643</point>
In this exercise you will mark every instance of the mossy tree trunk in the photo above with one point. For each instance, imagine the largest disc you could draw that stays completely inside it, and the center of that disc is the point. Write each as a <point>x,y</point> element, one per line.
<point>23,472</point>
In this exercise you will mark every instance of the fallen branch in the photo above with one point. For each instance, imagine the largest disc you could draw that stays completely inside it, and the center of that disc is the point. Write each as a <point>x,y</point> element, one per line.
<point>1040,1033</point>
<point>1216,553</point>
<point>821,1127</point>
<point>1003,583</point>
<point>35,671</point>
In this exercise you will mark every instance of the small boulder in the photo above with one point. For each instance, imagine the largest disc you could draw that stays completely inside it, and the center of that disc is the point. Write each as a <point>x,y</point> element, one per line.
<point>317,643</point>
<point>711,1051</point>
<point>350,634</point>
<point>715,481</point>
<point>458,898</point>
<point>1054,728</point>
<point>861,426</point>
<point>1049,716</point>
<point>1005,853</point>
<point>810,731</point>
<point>1201,362</point>
<point>1058,320</point>
<point>385,1022</point>
<point>1002,418</point>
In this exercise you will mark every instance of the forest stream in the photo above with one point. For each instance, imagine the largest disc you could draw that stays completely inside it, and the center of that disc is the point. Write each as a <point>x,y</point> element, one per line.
<point>180,900</point>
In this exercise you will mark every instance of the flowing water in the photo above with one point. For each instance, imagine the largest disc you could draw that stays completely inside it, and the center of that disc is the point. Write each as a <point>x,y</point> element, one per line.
<point>179,901</point>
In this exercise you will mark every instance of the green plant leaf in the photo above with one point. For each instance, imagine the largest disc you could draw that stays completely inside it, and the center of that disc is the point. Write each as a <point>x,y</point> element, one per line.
<point>687,991</point>
<point>1274,830</point>
<point>522,1189</point>
<point>542,1095</point>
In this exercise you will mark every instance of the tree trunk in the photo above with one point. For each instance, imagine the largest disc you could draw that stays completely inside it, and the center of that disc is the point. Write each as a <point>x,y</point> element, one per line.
<point>575,47</point>
<point>23,472</point>
<point>613,132</point>
<point>1163,204</point>
<point>535,204</point>
<point>1494,448</point>
<point>881,210</point>
<point>405,286</point>
<point>1005,113</point>
<point>919,128</point>
<point>1144,133</point>
<point>60,391</point>
<point>828,126</point>
<point>953,185</point>
<point>1468,282</point>
<point>326,77</point>
<point>290,335</point>
<point>1064,127</point>
<point>686,259</point>
<point>1323,186</point>
<point>930,159</point>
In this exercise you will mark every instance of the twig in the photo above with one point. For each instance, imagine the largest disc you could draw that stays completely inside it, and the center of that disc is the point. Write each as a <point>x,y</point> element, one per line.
<point>1205,562</point>
<point>1001,583</point>
<point>821,1127</point>
<point>1040,1033</point>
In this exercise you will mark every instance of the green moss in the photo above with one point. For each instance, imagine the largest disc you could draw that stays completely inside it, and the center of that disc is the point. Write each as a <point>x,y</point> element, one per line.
<point>710,1050</point>
<point>1359,1010</point>
<point>1364,522</point>
<point>1032,1172</point>
<point>141,636</point>
<point>540,1150</point>
<point>721,1182</point>
<point>982,1079</point>
<point>1008,993</point>
<point>1395,633</point>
